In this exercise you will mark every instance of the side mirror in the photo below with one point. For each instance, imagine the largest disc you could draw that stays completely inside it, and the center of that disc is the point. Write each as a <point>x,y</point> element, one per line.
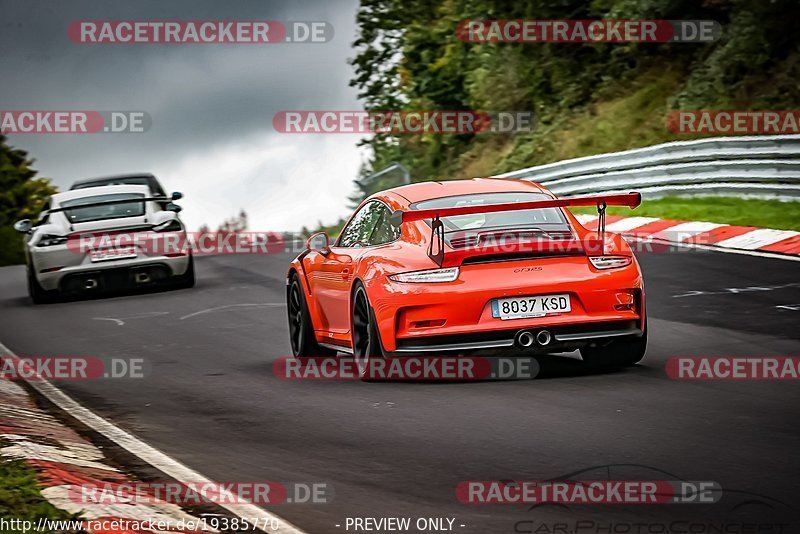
<point>177,195</point>
<point>174,207</point>
<point>318,243</point>
<point>23,226</point>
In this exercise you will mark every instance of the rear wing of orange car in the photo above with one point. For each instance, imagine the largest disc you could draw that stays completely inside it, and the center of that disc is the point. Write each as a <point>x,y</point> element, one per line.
<point>435,215</point>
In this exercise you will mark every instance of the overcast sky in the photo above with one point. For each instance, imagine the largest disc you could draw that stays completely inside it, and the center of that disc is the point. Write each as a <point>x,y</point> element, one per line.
<point>211,106</point>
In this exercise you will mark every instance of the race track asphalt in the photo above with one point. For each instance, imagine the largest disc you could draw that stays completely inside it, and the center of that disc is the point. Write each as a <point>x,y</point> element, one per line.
<point>211,401</point>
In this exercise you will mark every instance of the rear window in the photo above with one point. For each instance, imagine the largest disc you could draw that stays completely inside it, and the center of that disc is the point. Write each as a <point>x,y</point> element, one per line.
<point>544,218</point>
<point>77,210</point>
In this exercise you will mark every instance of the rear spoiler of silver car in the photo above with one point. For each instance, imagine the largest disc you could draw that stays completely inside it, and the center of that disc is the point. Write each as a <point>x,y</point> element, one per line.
<point>110,202</point>
<point>400,217</point>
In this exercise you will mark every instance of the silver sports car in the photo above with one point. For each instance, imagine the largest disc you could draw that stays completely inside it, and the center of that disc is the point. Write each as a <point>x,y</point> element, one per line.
<point>106,237</point>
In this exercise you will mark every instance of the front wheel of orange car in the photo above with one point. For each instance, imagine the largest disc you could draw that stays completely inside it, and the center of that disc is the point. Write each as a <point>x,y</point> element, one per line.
<point>366,341</point>
<point>301,330</point>
<point>623,352</point>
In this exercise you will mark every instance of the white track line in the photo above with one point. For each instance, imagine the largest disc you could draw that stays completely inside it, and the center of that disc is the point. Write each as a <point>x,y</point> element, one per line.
<point>151,455</point>
<point>757,238</point>
<point>743,245</point>
<point>585,219</point>
<point>683,231</point>
<point>714,248</point>
<point>629,223</point>
<point>229,306</point>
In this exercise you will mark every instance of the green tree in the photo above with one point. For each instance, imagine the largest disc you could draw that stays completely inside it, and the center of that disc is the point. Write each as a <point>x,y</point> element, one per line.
<point>588,97</point>
<point>22,196</point>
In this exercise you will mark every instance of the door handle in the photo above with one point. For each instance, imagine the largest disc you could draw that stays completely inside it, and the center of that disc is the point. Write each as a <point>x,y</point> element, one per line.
<point>345,274</point>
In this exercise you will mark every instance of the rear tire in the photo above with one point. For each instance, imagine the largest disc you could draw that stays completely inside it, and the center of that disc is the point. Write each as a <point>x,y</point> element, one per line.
<point>623,352</point>
<point>35,291</point>
<point>301,329</point>
<point>366,338</point>
<point>187,279</point>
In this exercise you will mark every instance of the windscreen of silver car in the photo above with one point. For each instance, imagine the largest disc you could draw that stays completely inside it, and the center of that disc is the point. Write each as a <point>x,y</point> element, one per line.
<point>77,214</point>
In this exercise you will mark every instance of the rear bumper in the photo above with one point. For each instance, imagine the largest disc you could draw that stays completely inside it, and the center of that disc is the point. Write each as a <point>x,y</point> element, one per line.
<point>115,278</point>
<point>457,316</point>
<point>64,270</point>
<point>561,338</point>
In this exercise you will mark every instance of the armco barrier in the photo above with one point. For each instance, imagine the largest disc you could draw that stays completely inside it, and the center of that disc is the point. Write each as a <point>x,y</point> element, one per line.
<point>766,166</point>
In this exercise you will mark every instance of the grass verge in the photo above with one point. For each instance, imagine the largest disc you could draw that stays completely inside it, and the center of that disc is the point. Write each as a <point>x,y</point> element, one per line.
<point>21,498</point>
<point>723,210</point>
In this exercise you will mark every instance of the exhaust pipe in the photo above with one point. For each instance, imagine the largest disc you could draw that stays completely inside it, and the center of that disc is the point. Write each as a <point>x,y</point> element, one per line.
<point>90,283</point>
<point>524,339</point>
<point>544,338</point>
<point>142,278</point>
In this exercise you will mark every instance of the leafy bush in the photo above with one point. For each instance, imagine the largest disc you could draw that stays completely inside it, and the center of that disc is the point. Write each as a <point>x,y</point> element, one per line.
<point>22,196</point>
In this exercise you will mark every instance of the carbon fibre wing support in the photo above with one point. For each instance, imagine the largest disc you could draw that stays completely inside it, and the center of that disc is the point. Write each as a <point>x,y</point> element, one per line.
<point>437,237</point>
<point>437,244</point>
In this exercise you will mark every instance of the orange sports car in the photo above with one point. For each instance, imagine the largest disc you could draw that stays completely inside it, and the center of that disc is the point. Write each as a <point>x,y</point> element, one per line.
<point>469,267</point>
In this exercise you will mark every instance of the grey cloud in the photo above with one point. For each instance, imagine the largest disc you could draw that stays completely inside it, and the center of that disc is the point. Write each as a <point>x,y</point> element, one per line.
<point>200,97</point>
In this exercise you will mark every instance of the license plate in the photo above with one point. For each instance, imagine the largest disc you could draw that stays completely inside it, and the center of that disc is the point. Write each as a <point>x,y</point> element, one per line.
<point>109,254</point>
<point>532,306</point>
